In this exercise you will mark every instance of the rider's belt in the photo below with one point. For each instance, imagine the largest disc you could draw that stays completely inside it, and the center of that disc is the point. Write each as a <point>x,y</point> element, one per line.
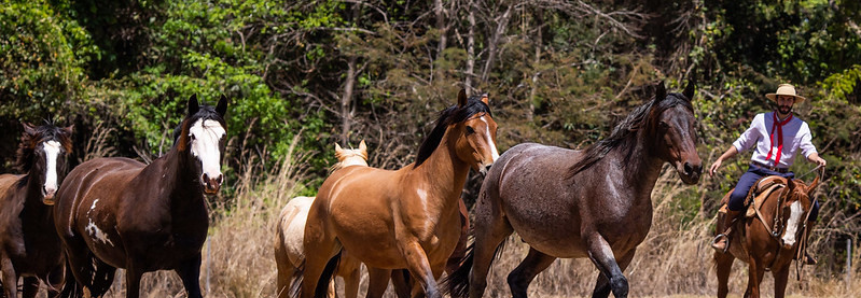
<point>776,169</point>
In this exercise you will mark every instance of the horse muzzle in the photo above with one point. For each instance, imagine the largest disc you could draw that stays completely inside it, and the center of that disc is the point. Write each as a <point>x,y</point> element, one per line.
<point>211,185</point>
<point>48,196</point>
<point>690,172</point>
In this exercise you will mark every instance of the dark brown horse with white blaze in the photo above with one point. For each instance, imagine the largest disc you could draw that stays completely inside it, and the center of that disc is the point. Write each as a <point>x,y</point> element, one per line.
<point>29,247</point>
<point>406,218</point>
<point>120,213</point>
<point>770,239</point>
<point>594,203</point>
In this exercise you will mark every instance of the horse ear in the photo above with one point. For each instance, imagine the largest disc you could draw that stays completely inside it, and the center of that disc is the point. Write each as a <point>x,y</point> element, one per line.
<point>29,128</point>
<point>193,106</point>
<point>338,149</point>
<point>660,91</point>
<point>68,129</point>
<point>484,98</point>
<point>689,90</point>
<point>461,98</point>
<point>221,108</point>
<point>363,148</point>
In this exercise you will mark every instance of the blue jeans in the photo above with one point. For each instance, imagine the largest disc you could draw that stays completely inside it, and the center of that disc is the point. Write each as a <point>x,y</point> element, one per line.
<point>749,178</point>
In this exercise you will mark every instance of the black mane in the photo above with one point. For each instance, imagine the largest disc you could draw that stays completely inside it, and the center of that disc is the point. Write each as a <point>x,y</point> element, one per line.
<point>622,136</point>
<point>449,116</point>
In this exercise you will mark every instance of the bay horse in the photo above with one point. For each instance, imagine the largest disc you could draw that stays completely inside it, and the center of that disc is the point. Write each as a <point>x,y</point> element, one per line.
<point>29,246</point>
<point>402,219</point>
<point>770,239</point>
<point>120,213</point>
<point>593,203</point>
<point>290,232</point>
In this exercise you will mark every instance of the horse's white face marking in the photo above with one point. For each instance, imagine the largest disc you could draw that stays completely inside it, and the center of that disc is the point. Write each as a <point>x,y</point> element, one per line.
<point>206,137</point>
<point>52,150</point>
<point>97,233</point>
<point>792,226</point>
<point>493,152</point>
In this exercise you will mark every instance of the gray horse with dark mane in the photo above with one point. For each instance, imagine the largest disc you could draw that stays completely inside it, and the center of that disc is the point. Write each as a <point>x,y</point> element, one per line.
<point>594,203</point>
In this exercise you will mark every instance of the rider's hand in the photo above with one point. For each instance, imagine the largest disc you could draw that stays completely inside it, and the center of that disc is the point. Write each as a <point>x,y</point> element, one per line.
<point>820,161</point>
<point>714,167</point>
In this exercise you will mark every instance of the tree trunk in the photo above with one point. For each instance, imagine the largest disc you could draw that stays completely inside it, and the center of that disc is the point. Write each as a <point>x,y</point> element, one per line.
<point>470,49</point>
<point>349,85</point>
<point>539,21</point>
<point>491,52</point>
<point>440,24</point>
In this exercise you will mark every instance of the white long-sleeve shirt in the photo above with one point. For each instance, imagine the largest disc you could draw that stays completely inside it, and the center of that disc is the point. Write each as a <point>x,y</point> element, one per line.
<point>796,135</point>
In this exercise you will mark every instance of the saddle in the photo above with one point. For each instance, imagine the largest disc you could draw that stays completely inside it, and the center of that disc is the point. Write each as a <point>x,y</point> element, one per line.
<point>757,194</point>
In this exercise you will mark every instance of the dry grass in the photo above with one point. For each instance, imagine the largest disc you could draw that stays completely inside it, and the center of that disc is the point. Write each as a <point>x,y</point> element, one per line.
<point>673,261</point>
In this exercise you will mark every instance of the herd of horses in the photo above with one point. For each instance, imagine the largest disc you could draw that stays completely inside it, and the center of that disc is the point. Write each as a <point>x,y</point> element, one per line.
<point>71,230</point>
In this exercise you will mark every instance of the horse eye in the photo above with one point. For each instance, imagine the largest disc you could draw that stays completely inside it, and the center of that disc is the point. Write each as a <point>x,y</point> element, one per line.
<point>664,125</point>
<point>469,130</point>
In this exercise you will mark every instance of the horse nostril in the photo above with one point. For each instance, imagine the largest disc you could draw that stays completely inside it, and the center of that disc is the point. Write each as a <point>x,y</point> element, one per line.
<point>487,167</point>
<point>220,179</point>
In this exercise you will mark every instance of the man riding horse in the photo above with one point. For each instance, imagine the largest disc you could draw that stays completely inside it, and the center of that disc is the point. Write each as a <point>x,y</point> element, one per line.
<point>775,137</point>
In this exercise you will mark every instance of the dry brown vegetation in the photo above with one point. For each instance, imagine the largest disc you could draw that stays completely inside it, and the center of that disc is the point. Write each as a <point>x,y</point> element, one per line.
<point>674,261</point>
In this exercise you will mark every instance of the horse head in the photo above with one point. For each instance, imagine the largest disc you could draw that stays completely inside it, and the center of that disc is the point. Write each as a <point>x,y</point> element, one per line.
<point>202,138</point>
<point>672,125</point>
<point>43,153</point>
<point>794,210</point>
<point>476,135</point>
<point>351,157</point>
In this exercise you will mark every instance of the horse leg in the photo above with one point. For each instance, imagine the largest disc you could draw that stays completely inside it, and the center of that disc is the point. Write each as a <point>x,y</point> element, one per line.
<point>133,279</point>
<point>55,280</point>
<point>378,281</point>
<point>10,285</point>
<point>602,256</point>
<point>285,275</point>
<point>420,269</point>
<point>350,270</point>
<point>724,268</point>
<point>491,230</point>
<point>520,277</point>
<point>602,285</point>
<point>780,279</point>
<point>319,251</point>
<point>755,277</point>
<point>31,287</point>
<point>189,272</point>
<point>402,283</point>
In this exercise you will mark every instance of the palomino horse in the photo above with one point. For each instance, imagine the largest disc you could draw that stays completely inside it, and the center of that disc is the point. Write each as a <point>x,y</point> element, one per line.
<point>290,233</point>
<point>762,242</point>
<point>290,252</point>
<point>406,218</point>
<point>120,213</point>
<point>29,246</point>
<point>594,203</point>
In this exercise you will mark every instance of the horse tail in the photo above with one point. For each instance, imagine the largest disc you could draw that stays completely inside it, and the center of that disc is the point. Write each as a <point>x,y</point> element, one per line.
<point>297,280</point>
<point>456,284</point>
<point>71,288</point>
<point>322,288</point>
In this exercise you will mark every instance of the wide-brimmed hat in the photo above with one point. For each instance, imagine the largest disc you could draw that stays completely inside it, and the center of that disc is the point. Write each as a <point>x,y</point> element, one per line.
<point>785,90</point>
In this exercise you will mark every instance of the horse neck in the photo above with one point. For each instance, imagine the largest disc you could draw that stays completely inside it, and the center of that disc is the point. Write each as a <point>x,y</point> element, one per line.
<point>182,188</point>
<point>443,172</point>
<point>641,165</point>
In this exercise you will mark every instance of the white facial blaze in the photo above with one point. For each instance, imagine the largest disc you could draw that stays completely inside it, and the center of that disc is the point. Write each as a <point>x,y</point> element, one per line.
<point>494,153</point>
<point>52,150</point>
<point>796,211</point>
<point>205,146</point>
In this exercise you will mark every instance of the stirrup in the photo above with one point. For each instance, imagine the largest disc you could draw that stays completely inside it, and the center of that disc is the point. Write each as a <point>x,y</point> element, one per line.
<point>715,242</point>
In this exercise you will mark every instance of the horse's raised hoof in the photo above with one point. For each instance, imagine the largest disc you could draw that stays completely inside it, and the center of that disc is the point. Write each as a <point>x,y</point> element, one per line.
<point>720,243</point>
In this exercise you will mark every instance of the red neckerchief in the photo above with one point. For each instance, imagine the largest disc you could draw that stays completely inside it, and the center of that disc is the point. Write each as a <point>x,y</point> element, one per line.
<point>779,126</point>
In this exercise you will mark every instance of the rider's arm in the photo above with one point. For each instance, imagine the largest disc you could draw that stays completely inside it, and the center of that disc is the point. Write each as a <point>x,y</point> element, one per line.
<point>744,142</point>
<point>732,151</point>
<point>807,148</point>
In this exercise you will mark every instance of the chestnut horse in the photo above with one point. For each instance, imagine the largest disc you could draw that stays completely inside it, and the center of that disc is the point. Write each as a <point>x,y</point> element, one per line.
<point>766,244</point>
<point>594,203</point>
<point>289,252</point>
<point>406,218</point>
<point>29,246</point>
<point>120,213</point>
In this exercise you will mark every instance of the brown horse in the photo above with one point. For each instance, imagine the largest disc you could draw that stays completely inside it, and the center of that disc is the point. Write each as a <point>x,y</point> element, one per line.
<point>120,213</point>
<point>594,203</point>
<point>29,246</point>
<point>406,218</point>
<point>762,242</point>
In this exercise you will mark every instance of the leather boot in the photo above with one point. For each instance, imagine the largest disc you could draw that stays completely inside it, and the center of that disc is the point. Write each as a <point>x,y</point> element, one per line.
<point>808,258</point>
<point>721,242</point>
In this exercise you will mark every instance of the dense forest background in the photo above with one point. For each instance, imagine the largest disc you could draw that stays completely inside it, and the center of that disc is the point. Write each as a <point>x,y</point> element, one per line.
<point>303,75</point>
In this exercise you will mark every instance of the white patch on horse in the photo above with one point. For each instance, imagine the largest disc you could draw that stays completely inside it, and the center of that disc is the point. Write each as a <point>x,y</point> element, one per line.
<point>423,196</point>
<point>94,205</point>
<point>207,134</point>
<point>52,150</point>
<point>796,211</point>
<point>494,153</point>
<point>97,233</point>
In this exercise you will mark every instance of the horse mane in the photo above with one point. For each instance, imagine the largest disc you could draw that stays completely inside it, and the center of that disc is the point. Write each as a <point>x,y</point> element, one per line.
<point>622,136</point>
<point>48,131</point>
<point>451,115</point>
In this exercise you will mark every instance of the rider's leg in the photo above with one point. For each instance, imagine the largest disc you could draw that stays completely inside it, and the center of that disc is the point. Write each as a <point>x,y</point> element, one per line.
<point>736,203</point>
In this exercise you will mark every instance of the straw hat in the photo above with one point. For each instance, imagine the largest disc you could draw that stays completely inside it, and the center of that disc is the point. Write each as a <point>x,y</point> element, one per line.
<point>785,90</point>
